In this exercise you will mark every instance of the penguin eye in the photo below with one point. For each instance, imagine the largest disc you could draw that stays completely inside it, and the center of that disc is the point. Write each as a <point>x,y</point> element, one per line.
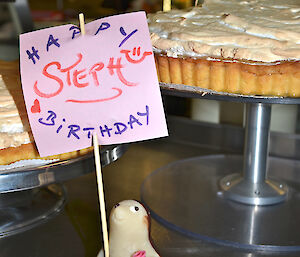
<point>134,208</point>
<point>117,205</point>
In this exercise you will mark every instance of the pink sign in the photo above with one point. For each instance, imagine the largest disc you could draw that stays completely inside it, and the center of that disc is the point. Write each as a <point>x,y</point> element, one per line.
<point>104,82</point>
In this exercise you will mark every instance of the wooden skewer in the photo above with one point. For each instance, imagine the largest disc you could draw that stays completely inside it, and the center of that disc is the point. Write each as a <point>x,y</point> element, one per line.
<point>81,23</point>
<point>101,195</point>
<point>98,172</point>
<point>167,5</point>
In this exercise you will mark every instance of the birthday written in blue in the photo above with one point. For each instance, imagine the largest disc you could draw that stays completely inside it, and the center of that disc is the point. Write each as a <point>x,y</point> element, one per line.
<point>75,131</point>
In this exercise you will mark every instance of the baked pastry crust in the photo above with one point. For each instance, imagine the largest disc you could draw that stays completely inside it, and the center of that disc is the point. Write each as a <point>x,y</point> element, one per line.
<point>282,79</point>
<point>29,151</point>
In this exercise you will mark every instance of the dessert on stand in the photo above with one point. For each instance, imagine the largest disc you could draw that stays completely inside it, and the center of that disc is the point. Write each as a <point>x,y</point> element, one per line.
<point>30,192</point>
<point>230,51</point>
<point>65,141</point>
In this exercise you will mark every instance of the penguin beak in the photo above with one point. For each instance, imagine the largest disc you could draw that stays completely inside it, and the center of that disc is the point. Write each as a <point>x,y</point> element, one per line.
<point>119,215</point>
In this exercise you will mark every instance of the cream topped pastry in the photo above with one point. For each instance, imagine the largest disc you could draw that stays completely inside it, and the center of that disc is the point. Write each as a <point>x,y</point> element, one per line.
<point>255,30</point>
<point>13,132</point>
<point>249,47</point>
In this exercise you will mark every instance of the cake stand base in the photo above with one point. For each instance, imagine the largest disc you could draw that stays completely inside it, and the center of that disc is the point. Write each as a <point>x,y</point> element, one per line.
<point>23,210</point>
<point>185,196</point>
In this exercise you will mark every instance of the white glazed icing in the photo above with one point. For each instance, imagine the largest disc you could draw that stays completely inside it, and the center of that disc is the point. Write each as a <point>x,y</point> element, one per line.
<point>256,30</point>
<point>12,131</point>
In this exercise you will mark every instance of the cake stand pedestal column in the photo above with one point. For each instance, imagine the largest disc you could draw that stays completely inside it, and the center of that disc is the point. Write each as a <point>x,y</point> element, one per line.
<point>252,186</point>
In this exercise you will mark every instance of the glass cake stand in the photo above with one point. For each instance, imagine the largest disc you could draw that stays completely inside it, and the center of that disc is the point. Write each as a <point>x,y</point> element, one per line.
<point>249,201</point>
<point>31,196</point>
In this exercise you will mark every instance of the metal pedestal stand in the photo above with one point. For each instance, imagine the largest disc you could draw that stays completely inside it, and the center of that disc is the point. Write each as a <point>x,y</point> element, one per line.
<point>252,186</point>
<point>230,200</point>
<point>31,196</point>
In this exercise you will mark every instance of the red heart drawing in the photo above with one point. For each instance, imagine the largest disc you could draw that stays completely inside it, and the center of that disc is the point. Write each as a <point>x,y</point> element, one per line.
<point>36,106</point>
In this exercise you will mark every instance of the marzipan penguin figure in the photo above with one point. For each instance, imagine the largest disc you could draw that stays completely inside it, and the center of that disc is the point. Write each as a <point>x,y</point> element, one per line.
<point>129,233</point>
